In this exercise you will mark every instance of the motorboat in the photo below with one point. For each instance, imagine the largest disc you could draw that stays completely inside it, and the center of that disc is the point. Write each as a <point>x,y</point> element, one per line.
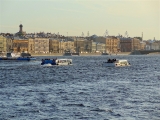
<point>49,62</point>
<point>116,63</point>
<point>17,57</point>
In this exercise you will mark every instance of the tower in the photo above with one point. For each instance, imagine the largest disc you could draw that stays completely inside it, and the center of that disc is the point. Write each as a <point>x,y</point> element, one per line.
<point>126,34</point>
<point>20,28</point>
<point>88,34</point>
<point>82,34</point>
<point>106,33</point>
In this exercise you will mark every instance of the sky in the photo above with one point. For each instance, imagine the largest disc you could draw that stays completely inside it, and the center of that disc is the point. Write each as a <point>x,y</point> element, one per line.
<point>72,17</point>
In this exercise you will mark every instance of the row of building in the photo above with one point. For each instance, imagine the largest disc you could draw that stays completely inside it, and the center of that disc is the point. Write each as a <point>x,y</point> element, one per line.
<point>55,43</point>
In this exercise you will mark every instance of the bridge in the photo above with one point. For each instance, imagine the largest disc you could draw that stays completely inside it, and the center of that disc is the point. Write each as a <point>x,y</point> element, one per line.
<point>140,52</point>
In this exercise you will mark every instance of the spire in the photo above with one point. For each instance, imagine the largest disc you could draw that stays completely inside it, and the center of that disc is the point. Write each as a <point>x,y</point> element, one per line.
<point>106,33</point>
<point>126,34</point>
<point>20,28</point>
<point>88,34</point>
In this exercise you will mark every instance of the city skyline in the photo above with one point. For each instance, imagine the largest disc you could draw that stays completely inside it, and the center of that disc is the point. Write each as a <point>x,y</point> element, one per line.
<point>72,17</point>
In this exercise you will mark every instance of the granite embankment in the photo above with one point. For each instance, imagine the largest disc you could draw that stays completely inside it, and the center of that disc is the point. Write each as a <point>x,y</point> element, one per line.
<point>81,54</point>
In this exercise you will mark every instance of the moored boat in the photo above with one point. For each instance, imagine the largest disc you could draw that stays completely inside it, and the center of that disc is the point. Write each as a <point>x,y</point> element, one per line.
<point>116,63</point>
<point>17,57</point>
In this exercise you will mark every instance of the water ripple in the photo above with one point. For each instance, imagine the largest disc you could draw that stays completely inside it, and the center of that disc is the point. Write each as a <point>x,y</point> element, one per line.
<point>83,91</point>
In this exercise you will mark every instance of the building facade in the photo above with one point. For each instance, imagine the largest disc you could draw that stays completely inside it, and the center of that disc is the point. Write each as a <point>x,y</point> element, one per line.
<point>87,46</point>
<point>82,45</point>
<point>41,45</point>
<point>31,45</point>
<point>79,45</point>
<point>94,48</point>
<point>54,45</point>
<point>100,47</point>
<point>5,43</point>
<point>112,43</point>
<point>66,46</point>
<point>136,44</point>
<point>20,45</point>
<point>130,44</point>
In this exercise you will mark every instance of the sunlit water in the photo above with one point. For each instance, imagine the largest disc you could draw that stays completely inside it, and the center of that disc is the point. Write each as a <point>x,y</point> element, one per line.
<point>83,91</point>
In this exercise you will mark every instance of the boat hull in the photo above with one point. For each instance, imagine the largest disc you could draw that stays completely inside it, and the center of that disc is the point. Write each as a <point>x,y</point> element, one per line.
<point>16,59</point>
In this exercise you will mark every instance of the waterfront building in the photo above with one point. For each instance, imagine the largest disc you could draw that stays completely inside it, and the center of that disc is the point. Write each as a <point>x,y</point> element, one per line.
<point>155,45</point>
<point>148,46</point>
<point>100,47</point>
<point>112,43</point>
<point>79,45</point>
<point>94,48</point>
<point>66,46</point>
<point>87,46</point>
<point>142,45</point>
<point>5,43</point>
<point>20,45</point>
<point>136,44</point>
<point>31,45</point>
<point>82,45</point>
<point>125,44</point>
<point>41,45</point>
<point>129,44</point>
<point>69,46</point>
<point>54,45</point>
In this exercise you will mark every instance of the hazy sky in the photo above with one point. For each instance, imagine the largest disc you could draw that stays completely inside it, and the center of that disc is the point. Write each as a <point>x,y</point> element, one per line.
<point>77,16</point>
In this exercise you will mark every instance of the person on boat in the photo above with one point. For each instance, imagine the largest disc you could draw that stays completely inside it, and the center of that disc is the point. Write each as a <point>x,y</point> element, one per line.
<point>109,60</point>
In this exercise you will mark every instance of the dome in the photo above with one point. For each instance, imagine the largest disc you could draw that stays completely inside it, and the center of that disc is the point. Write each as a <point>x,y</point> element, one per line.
<point>20,25</point>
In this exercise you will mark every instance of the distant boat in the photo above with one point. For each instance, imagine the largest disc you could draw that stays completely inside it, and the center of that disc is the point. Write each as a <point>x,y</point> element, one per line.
<point>105,54</point>
<point>71,54</point>
<point>116,63</point>
<point>17,57</point>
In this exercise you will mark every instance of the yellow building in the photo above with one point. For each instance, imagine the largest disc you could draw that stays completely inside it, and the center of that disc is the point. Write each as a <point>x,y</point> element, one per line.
<point>20,45</point>
<point>82,45</point>
<point>5,44</point>
<point>79,45</point>
<point>53,45</point>
<point>66,46</point>
<point>41,45</point>
<point>31,45</point>
<point>112,43</point>
<point>136,44</point>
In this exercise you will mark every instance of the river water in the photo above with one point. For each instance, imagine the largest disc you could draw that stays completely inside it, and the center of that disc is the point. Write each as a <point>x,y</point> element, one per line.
<point>83,91</point>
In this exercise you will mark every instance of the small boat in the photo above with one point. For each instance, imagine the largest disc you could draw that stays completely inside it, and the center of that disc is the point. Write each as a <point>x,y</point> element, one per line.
<point>56,62</point>
<point>116,63</point>
<point>17,57</point>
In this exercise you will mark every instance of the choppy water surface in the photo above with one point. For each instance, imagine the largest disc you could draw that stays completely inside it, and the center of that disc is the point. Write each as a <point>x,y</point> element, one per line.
<point>82,91</point>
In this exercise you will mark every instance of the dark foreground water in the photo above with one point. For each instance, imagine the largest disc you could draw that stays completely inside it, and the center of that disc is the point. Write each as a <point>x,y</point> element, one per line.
<point>82,91</point>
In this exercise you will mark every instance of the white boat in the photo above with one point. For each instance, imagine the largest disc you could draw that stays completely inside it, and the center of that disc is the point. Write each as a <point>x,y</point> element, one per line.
<point>63,61</point>
<point>116,63</point>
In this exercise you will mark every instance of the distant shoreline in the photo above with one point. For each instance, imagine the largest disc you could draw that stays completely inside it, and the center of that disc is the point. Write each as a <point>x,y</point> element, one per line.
<point>81,54</point>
